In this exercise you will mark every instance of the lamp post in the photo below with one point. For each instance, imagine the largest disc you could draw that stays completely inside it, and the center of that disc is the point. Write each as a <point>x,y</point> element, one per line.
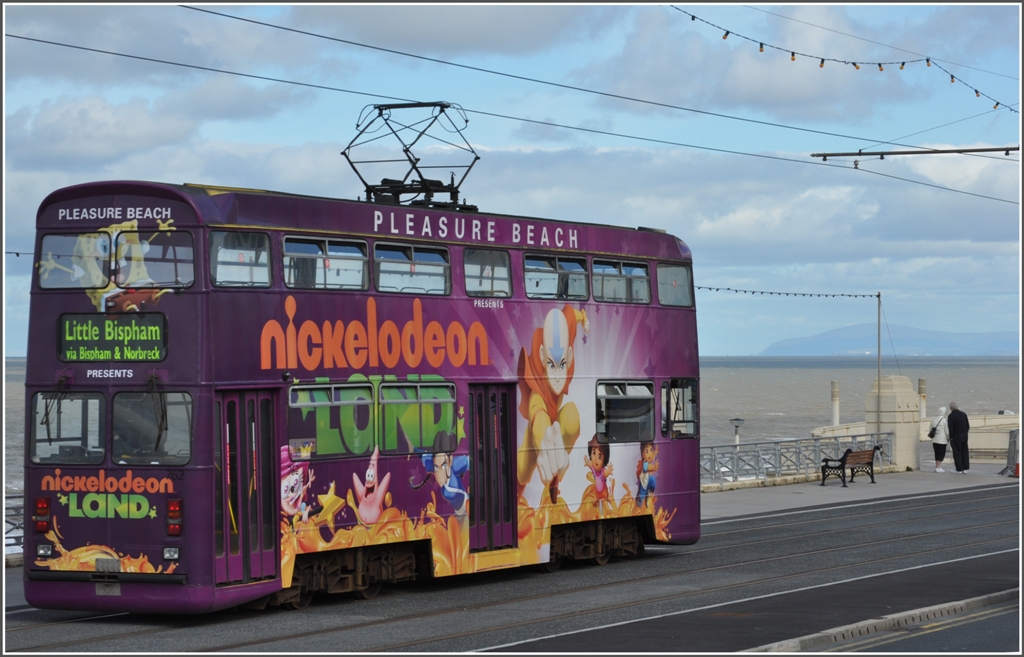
<point>736,422</point>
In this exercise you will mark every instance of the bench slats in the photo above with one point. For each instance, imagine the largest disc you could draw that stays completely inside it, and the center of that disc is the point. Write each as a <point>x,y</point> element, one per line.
<point>859,461</point>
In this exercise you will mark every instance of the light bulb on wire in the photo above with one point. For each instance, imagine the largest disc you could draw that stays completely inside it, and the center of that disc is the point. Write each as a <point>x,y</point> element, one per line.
<point>726,35</point>
<point>762,47</point>
<point>792,56</point>
<point>855,66</point>
<point>880,68</point>
<point>822,64</point>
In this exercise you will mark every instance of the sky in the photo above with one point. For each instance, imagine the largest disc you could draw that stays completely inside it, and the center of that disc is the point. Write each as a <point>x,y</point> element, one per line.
<point>631,115</point>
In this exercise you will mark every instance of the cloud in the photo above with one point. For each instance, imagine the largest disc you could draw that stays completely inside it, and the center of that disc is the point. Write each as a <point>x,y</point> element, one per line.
<point>459,29</point>
<point>89,131</point>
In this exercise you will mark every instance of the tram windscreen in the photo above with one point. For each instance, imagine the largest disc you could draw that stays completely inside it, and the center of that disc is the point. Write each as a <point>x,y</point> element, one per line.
<point>152,428</point>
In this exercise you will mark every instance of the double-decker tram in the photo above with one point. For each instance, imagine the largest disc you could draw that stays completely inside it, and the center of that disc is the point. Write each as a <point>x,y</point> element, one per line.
<point>238,397</point>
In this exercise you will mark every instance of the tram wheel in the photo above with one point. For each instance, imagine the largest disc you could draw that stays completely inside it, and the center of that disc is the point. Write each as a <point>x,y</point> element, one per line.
<point>602,559</point>
<point>369,593</point>
<point>305,597</point>
<point>551,566</point>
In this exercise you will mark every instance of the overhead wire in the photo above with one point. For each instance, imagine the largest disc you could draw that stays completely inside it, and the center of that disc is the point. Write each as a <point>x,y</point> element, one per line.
<point>530,79</point>
<point>484,113</point>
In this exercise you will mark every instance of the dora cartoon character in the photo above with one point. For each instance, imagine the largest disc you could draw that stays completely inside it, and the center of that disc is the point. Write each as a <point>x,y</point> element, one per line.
<point>645,469</point>
<point>296,479</point>
<point>597,460</point>
<point>129,287</point>
<point>544,377</point>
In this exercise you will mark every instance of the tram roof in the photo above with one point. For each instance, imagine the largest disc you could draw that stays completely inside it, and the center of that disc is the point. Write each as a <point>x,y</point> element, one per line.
<point>214,205</point>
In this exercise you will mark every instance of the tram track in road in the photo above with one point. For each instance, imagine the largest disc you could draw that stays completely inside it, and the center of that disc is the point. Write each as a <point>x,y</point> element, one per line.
<point>298,636</point>
<point>633,604</point>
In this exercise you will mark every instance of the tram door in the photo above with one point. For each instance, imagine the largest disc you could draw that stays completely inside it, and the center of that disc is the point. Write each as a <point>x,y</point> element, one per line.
<point>246,495</point>
<point>492,506</point>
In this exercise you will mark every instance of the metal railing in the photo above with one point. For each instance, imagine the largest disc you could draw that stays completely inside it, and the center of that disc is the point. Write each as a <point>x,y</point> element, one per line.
<point>721,463</point>
<point>1011,453</point>
<point>14,519</point>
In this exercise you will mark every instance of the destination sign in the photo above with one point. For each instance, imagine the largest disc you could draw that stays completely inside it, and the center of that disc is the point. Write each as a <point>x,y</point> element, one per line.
<point>127,338</point>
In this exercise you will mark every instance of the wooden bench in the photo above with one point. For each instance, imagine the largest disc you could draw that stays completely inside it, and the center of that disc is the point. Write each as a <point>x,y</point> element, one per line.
<point>861,461</point>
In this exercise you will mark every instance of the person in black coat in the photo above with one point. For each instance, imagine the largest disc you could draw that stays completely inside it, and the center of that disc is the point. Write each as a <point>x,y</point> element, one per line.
<point>958,428</point>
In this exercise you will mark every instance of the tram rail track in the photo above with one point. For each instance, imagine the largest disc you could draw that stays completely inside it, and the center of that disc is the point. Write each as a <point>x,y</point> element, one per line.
<point>575,591</point>
<point>689,552</point>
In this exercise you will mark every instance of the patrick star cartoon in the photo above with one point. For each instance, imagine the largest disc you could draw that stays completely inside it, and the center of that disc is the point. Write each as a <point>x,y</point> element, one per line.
<point>371,496</point>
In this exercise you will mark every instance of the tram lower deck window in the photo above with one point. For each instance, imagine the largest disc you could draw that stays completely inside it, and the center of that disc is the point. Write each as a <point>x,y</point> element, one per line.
<point>330,421</point>
<point>67,427</point>
<point>679,408</point>
<point>625,411</point>
<point>152,428</point>
<point>417,417</point>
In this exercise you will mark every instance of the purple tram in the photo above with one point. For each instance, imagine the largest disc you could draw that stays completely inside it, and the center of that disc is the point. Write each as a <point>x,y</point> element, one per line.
<point>239,397</point>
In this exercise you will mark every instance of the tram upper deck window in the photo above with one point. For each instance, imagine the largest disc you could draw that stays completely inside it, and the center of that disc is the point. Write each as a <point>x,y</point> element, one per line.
<point>74,261</point>
<point>675,286</point>
<point>625,411</point>
<point>152,428</point>
<point>679,408</point>
<point>239,259</point>
<point>487,273</point>
<point>67,427</point>
<point>161,259</point>
<point>313,263</point>
<point>552,277</point>
<point>621,282</point>
<point>411,269</point>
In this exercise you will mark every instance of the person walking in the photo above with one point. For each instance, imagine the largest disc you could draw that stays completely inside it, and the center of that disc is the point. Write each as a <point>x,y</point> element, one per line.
<point>941,438</point>
<point>958,428</point>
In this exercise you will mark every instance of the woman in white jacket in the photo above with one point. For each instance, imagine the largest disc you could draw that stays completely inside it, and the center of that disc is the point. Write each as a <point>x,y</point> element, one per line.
<point>941,438</point>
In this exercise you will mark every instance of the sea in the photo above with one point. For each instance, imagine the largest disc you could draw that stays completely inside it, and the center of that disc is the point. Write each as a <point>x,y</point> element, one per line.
<point>777,397</point>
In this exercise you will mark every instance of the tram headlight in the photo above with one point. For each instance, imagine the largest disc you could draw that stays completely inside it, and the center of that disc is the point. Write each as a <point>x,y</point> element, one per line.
<point>44,550</point>
<point>170,554</point>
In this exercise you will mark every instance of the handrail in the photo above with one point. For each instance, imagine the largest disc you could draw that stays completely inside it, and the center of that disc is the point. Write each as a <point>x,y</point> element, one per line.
<point>14,520</point>
<point>720,463</point>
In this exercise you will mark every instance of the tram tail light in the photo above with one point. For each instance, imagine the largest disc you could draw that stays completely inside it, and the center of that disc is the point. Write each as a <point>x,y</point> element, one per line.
<point>42,515</point>
<point>175,516</point>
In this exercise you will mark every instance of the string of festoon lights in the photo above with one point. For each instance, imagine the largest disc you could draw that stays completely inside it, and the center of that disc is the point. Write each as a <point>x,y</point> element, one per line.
<point>784,294</point>
<point>793,54</point>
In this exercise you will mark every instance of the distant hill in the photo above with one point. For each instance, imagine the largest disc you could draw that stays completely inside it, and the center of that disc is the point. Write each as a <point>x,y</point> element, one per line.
<point>862,339</point>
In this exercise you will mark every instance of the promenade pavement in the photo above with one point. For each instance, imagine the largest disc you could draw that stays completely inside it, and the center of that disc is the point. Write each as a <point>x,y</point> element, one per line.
<point>807,494</point>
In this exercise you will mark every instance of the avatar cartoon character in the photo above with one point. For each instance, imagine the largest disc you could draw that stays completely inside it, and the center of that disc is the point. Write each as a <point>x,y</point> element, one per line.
<point>645,469</point>
<point>296,479</point>
<point>447,470</point>
<point>544,377</point>
<point>120,293</point>
<point>370,497</point>
<point>597,460</point>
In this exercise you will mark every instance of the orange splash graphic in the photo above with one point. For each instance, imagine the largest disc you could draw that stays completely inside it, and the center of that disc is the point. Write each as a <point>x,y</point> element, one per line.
<point>83,559</point>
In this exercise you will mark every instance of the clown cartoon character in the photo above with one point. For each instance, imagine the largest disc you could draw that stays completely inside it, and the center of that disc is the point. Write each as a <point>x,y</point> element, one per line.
<point>544,377</point>
<point>447,470</point>
<point>116,293</point>
<point>645,469</point>
<point>596,459</point>
<point>296,479</point>
<point>370,496</point>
